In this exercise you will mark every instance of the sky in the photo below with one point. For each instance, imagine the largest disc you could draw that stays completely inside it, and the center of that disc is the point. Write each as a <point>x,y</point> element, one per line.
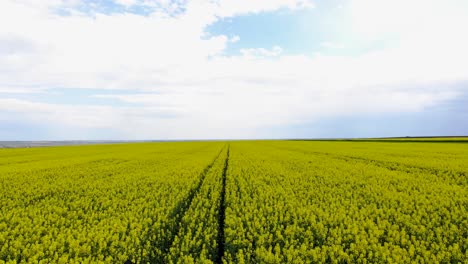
<point>232,69</point>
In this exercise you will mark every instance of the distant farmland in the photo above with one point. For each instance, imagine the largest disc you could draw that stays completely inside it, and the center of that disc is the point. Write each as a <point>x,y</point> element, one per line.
<point>236,202</point>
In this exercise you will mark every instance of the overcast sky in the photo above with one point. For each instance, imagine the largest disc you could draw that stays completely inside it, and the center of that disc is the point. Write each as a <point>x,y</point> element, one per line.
<point>199,69</point>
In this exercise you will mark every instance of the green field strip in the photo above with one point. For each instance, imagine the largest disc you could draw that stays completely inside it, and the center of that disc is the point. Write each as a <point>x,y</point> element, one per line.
<point>453,157</point>
<point>459,140</point>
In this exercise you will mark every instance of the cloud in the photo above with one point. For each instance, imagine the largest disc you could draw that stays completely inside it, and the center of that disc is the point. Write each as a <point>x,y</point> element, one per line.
<point>331,45</point>
<point>89,116</point>
<point>228,8</point>
<point>234,39</point>
<point>180,85</point>
<point>373,19</point>
<point>126,3</point>
<point>261,52</point>
<point>21,90</point>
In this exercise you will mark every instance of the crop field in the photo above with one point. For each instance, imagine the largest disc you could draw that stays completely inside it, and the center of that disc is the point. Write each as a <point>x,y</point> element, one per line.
<point>236,202</point>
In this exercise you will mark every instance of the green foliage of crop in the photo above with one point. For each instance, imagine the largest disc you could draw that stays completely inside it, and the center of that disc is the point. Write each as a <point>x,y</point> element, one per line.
<point>235,202</point>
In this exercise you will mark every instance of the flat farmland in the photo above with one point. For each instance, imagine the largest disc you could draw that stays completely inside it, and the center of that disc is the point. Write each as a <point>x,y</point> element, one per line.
<point>236,202</point>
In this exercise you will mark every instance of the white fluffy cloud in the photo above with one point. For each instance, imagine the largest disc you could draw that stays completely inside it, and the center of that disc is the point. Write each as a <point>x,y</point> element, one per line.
<point>189,89</point>
<point>126,3</point>
<point>261,52</point>
<point>229,8</point>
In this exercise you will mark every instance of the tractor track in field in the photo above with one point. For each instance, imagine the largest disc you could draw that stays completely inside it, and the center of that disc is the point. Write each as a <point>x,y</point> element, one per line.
<point>179,212</point>
<point>222,213</point>
<point>390,165</point>
<point>455,176</point>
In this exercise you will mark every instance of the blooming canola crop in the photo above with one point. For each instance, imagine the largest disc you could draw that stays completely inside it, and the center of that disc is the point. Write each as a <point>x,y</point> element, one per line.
<point>235,202</point>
